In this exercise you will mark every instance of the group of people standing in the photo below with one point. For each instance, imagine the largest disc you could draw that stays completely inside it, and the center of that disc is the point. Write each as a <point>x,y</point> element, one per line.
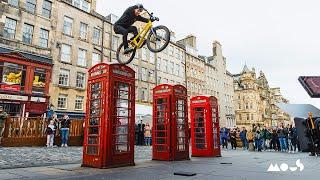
<point>282,138</point>
<point>54,125</point>
<point>143,134</point>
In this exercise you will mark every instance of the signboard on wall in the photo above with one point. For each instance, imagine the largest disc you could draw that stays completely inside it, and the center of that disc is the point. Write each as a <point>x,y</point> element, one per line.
<point>13,97</point>
<point>9,87</point>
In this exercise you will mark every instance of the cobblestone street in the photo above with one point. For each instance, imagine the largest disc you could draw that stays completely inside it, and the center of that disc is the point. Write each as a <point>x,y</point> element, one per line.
<point>41,156</point>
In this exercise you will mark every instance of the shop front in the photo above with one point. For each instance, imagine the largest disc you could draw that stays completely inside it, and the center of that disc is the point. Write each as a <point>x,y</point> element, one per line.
<point>24,82</point>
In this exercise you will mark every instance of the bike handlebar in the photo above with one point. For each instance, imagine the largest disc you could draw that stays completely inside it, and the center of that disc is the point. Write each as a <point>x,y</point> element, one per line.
<point>152,18</point>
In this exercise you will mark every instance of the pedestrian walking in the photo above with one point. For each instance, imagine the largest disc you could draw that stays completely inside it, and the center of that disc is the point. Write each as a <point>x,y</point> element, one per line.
<point>50,131</point>
<point>65,127</point>
<point>3,117</point>
<point>147,135</point>
<point>225,138</point>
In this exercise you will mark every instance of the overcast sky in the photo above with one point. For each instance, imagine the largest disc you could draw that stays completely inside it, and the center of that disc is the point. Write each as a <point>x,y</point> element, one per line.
<point>279,37</point>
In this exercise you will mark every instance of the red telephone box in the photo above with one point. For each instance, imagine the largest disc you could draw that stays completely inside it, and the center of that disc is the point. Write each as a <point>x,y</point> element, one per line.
<point>110,117</point>
<point>205,130</point>
<point>170,123</point>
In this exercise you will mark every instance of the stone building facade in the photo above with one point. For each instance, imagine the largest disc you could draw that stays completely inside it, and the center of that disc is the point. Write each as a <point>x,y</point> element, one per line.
<point>209,76</point>
<point>255,101</point>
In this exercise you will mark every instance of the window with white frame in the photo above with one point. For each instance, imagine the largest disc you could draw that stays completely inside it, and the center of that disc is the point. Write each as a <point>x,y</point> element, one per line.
<point>115,43</point>
<point>151,55</point>
<point>136,69</point>
<point>81,80</point>
<point>67,26</point>
<point>171,67</point>
<point>31,6</point>
<point>83,30</point>
<point>79,103</point>
<point>171,50</point>
<point>143,93</point>
<point>165,66</point>
<point>64,77</point>
<point>10,28</point>
<point>159,63</point>
<point>96,58</point>
<point>14,2</point>
<point>27,33</point>
<point>62,101</point>
<point>96,36</point>
<point>144,74</point>
<point>151,75</point>
<point>144,54</point>
<point>81,4</point>
<point>65,53</point>
<point>46,8</point>
<point>177,68</point>
<point>82,57</point>
<point>44,38</point>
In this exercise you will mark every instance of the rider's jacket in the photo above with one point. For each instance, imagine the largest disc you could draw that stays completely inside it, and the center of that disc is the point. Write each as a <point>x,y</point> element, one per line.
<point>128,18</point>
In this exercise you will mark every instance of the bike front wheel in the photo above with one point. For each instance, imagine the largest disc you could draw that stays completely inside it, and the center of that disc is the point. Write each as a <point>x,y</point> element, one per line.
<point>125,58</point>
<point>158,39</point>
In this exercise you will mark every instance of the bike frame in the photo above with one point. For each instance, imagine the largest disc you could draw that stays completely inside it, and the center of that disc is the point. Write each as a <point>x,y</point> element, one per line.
<point>142,34</point>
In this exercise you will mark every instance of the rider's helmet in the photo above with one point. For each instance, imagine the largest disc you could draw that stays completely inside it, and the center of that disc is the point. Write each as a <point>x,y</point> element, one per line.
<point>140,7</point>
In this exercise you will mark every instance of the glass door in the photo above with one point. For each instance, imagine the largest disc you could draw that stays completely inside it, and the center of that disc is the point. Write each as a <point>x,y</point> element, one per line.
<point>215,129</point>
<point>94,124</point>
<point>121,118</point>
<point>182,139</point>
<point>199,128</point>
<point>161,126</point>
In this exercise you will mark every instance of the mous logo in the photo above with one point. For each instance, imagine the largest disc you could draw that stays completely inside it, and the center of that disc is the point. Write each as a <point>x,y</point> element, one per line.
<point>285,167</point>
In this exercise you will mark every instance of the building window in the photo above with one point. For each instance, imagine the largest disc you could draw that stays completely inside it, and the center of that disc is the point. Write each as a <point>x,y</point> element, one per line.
<point>80,81</point>
<point>151,54</point>
<point>10,28</point>
<point>144,54</point>
<point>44,37</point>
<point>177,68</point>
<point>46,8</point>
<point>136,70</point>
<point>165,65</point>
<point>76,3</point>
<point>39,80</point>
<point>65,53</point>
<point>27,34</point>
<point>96,36</point>
<point>64,77</point>
<point>159,63</point>
<point>144,76</point>
<point>81,4</point>
<point>158,80</point>
<point>151,76</point>
<point>171,50</point>
<point>248,117</point>
<point>79,103</point>
<point>31,6</point>
<point>115,43</point>
<point>83,30</point>
<point>143,94</point>
<point>96,58</point>
<point>14,2</point>
<point>171,68</point>
<point>82,57</point>
<point>252,117</point>
<point>183,71</point>
<point>67,26</point>
<point>62,101</point>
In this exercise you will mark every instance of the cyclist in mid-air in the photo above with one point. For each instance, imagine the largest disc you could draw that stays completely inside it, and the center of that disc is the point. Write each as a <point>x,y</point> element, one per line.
<point>124,24</point>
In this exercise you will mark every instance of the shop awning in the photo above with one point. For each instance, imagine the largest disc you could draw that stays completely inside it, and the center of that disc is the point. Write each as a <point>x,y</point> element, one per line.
<point>26,55</point>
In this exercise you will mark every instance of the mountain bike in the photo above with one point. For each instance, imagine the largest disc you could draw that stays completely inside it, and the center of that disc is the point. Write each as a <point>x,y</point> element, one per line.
<point>157,40</point>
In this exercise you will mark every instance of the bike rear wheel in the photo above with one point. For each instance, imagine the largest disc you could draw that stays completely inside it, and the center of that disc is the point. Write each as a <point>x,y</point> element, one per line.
<point>125,58</point>
<point>158,39</point>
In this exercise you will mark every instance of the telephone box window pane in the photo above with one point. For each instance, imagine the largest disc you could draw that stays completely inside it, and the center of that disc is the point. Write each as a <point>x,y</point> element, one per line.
<point>94,130</point>
<point>93,140</point>
<point>95,86</point>
<point>94,121</point>
<point>92,150</point>
<point>95,112</point>
<point>214,115</point>
<point>95,103</point>
<point>121,148</point>
<point>199,128</point>
<point>181,131</point>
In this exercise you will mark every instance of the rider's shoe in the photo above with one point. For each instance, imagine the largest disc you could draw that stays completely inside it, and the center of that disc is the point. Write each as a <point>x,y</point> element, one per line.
<point>127,50</point>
